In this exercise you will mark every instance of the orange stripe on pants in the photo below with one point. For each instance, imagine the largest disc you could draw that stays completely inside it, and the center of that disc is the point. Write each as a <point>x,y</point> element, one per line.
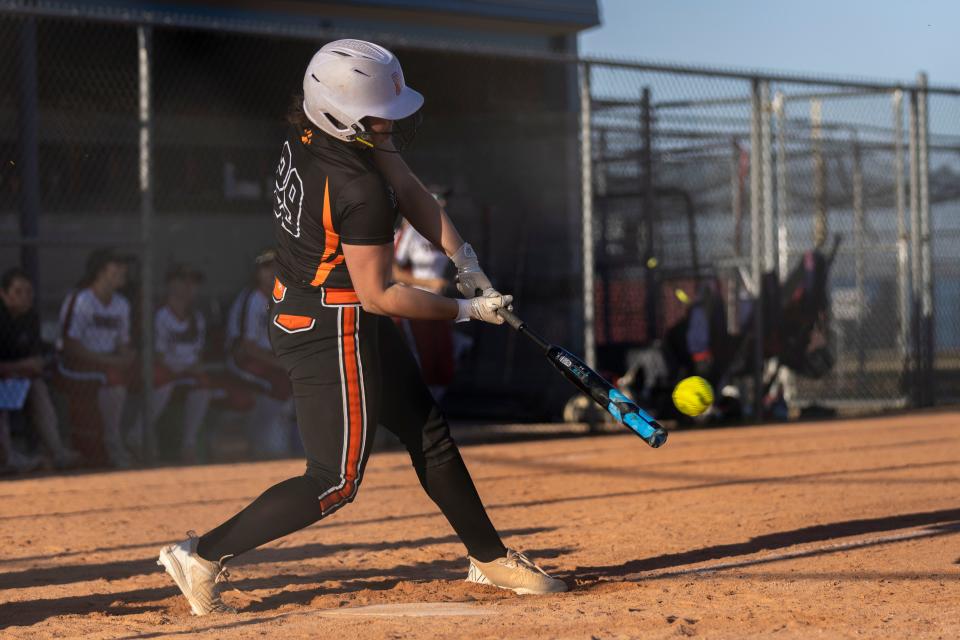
<point>353,417</point>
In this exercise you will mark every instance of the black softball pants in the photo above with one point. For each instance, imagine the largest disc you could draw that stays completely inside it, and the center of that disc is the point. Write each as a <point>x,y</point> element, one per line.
<point>350,371</point>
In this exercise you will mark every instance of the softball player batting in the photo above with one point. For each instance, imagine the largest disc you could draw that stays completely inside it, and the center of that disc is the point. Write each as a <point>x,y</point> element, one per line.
<point>339,187</point>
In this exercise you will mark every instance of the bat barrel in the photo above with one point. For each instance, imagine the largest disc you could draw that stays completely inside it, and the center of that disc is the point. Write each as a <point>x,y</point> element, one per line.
<point>658,438</point>
<point>622,408</point>
<point>640,422</point>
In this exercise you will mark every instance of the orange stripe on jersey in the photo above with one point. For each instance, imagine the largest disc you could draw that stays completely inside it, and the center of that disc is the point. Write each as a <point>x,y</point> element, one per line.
<point>354,415</point>
<point>324,269</point>
<point>279,290</point>
<point>331,240</point>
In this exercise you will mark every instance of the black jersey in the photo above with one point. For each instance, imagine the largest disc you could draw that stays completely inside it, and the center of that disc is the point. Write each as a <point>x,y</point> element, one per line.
<point>327,193</point>
<point>19,335</point>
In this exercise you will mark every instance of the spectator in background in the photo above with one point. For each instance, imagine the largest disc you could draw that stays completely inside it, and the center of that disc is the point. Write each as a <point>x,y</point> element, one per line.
<point>179,337</point>
<point>417,263</point>
<point>250,358</point>
<point>22,356</point>
<point>96,359</point>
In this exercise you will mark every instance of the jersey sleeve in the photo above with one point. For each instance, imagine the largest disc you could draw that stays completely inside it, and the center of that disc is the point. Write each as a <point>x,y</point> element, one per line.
<point>77,316</point>
<point>366,215</point>
<point>233,318</point>
<point>253,319</point>
<point>161,332</point>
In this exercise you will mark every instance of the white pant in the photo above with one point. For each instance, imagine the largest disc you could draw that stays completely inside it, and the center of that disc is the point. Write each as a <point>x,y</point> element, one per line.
<point>195,410</point>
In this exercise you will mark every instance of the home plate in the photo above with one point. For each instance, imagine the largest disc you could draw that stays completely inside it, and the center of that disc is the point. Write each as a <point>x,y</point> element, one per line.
<point>412,609</point>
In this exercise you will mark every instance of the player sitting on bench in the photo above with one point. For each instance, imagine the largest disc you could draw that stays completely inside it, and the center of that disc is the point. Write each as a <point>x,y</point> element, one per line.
<point>96,361</point>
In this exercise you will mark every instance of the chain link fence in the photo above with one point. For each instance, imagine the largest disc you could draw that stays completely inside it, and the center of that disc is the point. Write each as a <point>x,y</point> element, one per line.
<point>159,139</point>
<point>710,189</point>
<point>944,202</point>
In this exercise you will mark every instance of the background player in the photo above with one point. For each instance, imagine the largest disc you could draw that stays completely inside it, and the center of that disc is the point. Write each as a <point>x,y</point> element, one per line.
<point>337,187</point>
<point>420,264</point>
<point>95,352</point>
<point>180,335</point>
<point>250,358</point>
<point>22,355</point>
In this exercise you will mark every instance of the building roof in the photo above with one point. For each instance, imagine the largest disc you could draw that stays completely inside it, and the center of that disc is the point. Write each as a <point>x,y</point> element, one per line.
<point>494,25</point>
<point>577,13</point>
<point>567,15</point>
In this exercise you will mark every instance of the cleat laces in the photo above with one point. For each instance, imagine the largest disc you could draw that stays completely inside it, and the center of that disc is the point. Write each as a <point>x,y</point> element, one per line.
<point>519,560</point>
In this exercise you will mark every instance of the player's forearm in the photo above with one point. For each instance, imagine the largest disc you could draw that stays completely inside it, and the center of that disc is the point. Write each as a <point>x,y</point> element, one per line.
<point>433,223</point>
<point>417,203</point>
<point>407,302</point>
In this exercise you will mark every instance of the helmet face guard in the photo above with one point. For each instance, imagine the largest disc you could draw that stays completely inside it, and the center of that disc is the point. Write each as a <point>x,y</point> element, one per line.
<point>405,130</point>
<point>402,132</point>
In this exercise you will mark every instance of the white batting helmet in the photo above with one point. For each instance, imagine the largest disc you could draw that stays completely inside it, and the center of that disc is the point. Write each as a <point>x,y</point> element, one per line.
<point>348,80</point>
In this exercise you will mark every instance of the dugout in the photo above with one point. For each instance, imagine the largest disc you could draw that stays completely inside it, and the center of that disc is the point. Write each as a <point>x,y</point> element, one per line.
<point>499,129</point>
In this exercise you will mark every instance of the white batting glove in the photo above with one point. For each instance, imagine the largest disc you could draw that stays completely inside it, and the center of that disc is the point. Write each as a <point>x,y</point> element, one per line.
<point>484,307</point>
<point>470,277</point>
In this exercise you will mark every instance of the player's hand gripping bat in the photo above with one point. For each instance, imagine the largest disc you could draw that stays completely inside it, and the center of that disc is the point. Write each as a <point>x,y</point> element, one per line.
<point>624,410</point>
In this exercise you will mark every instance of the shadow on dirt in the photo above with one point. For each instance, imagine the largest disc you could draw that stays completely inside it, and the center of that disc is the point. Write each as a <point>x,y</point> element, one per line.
<point>24,614</point>
<point>119,569</point>
<point>31,612</point>
<point>947,522</point>
<point>374,579</point>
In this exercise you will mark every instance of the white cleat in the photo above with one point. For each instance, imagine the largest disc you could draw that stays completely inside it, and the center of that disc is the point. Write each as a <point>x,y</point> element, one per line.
<point>198,579</point>
<point>515,572</point>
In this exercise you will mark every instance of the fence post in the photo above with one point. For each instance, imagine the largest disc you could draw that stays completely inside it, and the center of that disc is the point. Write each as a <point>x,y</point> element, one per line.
<point>787,379</point>
<point>819,175</point>
<point>766,142</point>
<point>859,275</point>
<point>144,59</point>
<point>926,255</point>
<point>586,192</point>
<point>29,149</point>
<point>783,197</point>
<point>736,205</point>
<point>649,204</point>
<point>602,269</point>
<point>903,283</point>
<point>915,328</point>
<point>756,254</point>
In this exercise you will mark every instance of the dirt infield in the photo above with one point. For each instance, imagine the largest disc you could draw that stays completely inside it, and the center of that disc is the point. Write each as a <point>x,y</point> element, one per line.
<point>848,529</point>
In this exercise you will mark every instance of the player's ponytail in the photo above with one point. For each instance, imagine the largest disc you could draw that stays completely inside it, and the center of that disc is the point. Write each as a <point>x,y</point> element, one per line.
<point>295,113</point>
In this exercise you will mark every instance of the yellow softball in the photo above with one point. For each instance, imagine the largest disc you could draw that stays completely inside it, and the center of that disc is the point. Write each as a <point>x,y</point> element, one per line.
<point>692,396</point>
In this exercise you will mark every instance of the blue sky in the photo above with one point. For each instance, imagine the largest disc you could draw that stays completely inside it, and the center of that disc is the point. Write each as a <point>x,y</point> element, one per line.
<point>877,39</point>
